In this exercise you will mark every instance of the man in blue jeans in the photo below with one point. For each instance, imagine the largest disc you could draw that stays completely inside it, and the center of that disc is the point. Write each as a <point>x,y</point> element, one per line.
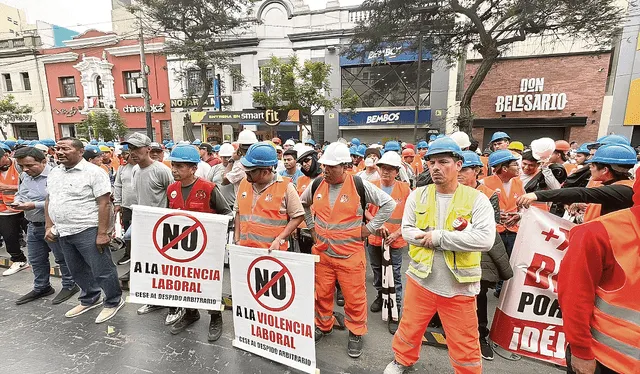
<point>78,216</point>
<point>30,197</point>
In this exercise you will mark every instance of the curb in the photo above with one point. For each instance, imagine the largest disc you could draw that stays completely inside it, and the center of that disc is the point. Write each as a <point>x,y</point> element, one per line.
<point>5,262</point>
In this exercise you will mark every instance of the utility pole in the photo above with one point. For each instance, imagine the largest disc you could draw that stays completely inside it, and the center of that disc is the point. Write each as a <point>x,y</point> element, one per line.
<point>145,83</point>
<point>418,83</point>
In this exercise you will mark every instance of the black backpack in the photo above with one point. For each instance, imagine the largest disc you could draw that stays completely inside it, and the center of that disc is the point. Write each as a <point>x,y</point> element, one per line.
<point>359,188</point>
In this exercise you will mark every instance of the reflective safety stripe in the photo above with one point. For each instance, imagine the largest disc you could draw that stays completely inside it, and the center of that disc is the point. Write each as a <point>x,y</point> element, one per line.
<point>394,221</point>
<point>263,220</point>
<point>616,345</point>
<point>257,238</point>
<point>618,312</point>
<point>472,272</point>
<point>466,364</point>
<point>339,226</point>
<point>335,242</point>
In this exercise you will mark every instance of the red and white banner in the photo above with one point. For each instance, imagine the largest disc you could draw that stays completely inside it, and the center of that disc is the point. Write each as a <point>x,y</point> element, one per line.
<point>528,320</point>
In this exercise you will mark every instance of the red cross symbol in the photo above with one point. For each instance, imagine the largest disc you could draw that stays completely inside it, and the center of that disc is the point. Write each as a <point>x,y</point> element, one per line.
<point>550,235</point>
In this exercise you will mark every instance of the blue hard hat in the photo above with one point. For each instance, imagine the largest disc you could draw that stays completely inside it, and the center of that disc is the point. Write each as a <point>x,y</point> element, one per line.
<point>432,137</point>
<point>311,142</point>
<point>125,147</point>
<point>614,139</point>
<point>422,145</point>
<point>164,142</point>
<point>20,141</point>
<point>261,154</point>
<point>444,145</point>
<point>353,150</point>
<point>48,142</point>
<point>110,144</point>
<point>392,145</point>
<point>216,148</point>
<point>362,149</point>
<point>501,156</point>
<point>499,135</point>
<point>355,141</point>
<point>5,147</point>
<point>471,159</point>
<point>184,153</point>
<point>93,142</point>
<point>584,148</point>
<point>169,145</point>
<point>102,143</point>
<point>615,154</point>
<point>91,151</point>
<point>197,142</point>
<point>12,143</point>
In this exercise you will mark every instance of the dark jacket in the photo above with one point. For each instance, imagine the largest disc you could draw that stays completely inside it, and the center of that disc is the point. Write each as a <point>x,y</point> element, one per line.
<point>495,263</point>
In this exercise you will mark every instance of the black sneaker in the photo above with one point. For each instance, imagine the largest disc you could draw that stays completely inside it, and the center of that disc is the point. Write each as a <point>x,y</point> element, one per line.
<point>189,318</point>
<point>376,305</point>
<point>354,348</point>
<point>65,294</point>
<point>320,334</point>
<point>35,295</point>
<point>339,297</point>
<point>124,260</point>
<point>485,349</point>
<point>393,326</point>
<point>215,326</point>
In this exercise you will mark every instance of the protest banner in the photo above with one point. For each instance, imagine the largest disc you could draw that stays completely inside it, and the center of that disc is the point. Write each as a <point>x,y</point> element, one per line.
<point>528,320</point>
<point>177,257</point>
<point>273,305</point>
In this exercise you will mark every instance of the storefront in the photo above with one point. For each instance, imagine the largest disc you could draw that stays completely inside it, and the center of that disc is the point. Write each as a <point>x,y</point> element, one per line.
<point>558,96</point>
<point>384,125</point>
<point>219,127</point>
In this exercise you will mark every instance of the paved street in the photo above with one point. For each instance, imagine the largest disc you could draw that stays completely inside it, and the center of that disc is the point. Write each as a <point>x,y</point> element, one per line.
<point>36,338</point>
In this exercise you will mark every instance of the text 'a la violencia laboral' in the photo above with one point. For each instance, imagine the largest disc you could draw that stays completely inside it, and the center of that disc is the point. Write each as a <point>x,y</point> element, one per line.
<point>194,275</point>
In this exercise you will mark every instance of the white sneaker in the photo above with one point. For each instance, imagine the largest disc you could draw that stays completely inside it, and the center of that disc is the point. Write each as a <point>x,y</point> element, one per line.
<point>145,309</point>
<point>16,267</point>
<point>174,315</point>
<point>395,367</point>
<point>108,313</point>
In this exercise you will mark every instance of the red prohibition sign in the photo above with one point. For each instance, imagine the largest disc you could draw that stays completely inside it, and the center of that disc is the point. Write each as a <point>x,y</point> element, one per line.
<point>163,250</point>
<point>257,294</point>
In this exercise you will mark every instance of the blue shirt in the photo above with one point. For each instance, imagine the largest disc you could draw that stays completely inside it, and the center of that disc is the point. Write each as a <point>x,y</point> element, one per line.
<point>294,177</point>
<point>33,190</point>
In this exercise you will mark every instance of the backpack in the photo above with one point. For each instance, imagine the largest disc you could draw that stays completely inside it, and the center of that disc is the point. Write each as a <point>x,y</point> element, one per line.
<point>359,188</point>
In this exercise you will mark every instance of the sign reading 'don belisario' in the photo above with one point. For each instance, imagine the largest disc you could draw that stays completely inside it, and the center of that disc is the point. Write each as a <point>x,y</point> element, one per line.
<point>531,99</point>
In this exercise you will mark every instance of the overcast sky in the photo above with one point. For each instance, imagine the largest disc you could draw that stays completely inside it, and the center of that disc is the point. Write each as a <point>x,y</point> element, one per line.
<point>81,15</point>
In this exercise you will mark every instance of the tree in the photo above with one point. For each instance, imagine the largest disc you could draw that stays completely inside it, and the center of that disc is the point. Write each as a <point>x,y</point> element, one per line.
<point>197,30</point>
<point>11,111</point>
<point>490,27</point>
<point>288,85</point>
<point>101,125</point>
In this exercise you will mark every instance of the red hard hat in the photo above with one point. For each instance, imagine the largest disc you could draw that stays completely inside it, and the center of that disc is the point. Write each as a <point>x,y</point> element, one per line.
<point>276,141</point>
<point>563,145</point>
<point>408,152</point>
<point>410,146</point>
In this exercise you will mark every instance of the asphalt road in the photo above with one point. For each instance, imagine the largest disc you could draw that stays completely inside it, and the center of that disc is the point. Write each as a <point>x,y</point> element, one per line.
<point>37,338</point>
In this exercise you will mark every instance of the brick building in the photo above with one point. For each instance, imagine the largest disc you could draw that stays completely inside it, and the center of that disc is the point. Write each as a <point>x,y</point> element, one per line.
<point>557,96</point>
<point>99,72</point>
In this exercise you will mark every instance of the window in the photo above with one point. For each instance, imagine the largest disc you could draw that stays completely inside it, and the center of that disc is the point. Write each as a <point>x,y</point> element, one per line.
<point>236,83</point>
<point>26,83</point>
<point>194,85</point>
<point>262,72</point>
<point>68,86</point>
<point>8,86</point>
<point>131,82</point>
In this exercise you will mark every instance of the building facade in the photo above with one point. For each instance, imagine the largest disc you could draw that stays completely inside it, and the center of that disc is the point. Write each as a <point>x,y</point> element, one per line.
<point>100,72</point>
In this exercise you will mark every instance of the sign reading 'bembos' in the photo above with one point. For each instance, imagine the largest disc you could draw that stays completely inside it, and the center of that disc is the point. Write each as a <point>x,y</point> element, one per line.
<point>178,258</point>
<point>531,99</point>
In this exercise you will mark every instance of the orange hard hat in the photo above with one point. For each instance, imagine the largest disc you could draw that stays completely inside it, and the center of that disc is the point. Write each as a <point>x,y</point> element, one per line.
<point>408,152</point>
<point>276,141</point>
<point>410,146</point>
<point>563,145</point>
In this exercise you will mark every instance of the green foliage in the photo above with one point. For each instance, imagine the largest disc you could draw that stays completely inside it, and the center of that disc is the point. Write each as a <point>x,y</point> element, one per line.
<point>11,111</point>
<point>102,125</point>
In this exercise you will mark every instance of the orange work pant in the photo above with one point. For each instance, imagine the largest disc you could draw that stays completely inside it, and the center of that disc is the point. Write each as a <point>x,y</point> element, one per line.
<point>350,273</point>
<point>460,322</point>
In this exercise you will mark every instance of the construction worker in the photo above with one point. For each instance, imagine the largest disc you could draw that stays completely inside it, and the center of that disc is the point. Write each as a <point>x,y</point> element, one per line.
<point>579,177</point>
<point>390,233</point>
<point>234,173</point>
<point>189,192</point>
<point>394,146</point>
<point>11,219</point>
<point>216,174</point>
<point>357,155</point>
<point>447,226</point>
<point>371,171</point>
<point>598,286</point>
<point>516,148</point>
<point>561,155</point>
<point>311,170</point>
<point>267,207</point>
<point>610,166</point>
<point>291,170</point>
<point>339,201</point>
<point>500,141</point>
<point>506,181</point>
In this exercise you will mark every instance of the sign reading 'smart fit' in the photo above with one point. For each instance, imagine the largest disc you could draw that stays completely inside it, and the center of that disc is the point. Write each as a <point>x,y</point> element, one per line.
<point>249,116</point>
<point>531,98</point>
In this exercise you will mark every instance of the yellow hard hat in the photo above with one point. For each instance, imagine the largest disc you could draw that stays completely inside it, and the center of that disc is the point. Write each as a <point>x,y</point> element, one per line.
<point>516,146</point>
<point>104,148</point>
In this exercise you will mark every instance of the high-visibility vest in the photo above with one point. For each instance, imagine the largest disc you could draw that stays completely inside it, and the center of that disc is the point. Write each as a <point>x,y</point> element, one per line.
<point>167,162</point>
<point>485,167</point>
<point>615,324</point>
<point>12,178</point>
<point>592,183</point>
<point>399,193</point>
<point>417,165</point>
<point>595,210</point>
<point>465,266</point>
<point>338,227</point>
<point>352,170</point>
<point>303,183</point>
<point>507,202</point>
<point>488,192</point>
<point>361,166</point>
<point>198,199</point>
<point>115,163</point>
<point>569,168</point>
<point>262,223</point>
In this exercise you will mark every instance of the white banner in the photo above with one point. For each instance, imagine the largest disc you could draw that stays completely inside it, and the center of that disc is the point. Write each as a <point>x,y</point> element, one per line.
<point>177,257</point>
<point>273,305</point>
<point>528,319</point>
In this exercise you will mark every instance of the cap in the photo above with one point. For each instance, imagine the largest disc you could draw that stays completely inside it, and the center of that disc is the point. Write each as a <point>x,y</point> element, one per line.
<point>138,139</point>
<point>155,146</point>
<point>206,146</point>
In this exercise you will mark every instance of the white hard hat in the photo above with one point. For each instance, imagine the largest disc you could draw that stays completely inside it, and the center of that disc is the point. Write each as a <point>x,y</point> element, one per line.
<point>336,153</point>
<point>41,147</point>
<point>542,148</point>
<point>247,137</point>
<point>391,159</point>
<point>461,138</point>
<point>290,142</point>
<point>226,150</point>
<point>299,147</point>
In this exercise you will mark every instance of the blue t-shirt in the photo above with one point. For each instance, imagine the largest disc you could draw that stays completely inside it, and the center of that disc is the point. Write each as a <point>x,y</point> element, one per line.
<point>294,177</point>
